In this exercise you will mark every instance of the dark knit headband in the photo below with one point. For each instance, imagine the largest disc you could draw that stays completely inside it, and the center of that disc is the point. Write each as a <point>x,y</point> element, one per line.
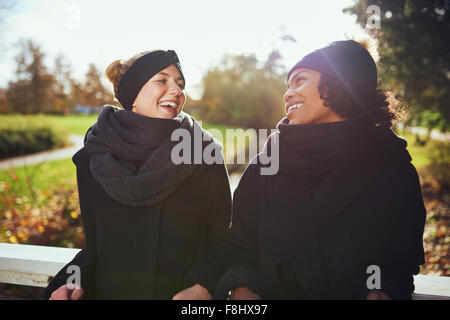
<point>141,71</point>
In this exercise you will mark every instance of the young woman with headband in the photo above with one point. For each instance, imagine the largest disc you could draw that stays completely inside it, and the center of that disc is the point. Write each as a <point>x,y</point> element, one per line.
<point>152,227</point>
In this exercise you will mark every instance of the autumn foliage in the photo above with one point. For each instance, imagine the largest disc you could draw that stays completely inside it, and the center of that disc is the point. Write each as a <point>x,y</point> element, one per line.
<point>49,217</point>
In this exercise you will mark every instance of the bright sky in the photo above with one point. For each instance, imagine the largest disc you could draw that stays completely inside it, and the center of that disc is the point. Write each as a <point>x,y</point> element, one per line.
<point>200,31</point>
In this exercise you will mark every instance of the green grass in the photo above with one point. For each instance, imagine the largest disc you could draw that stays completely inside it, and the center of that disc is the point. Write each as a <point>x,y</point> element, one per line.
<point>29,180</point>
<point>75,124</point>
<point>419,154</point>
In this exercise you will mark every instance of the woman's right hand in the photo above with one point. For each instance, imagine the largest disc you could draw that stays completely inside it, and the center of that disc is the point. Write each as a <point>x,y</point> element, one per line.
<point>64,293</point>
<point>244,293</point>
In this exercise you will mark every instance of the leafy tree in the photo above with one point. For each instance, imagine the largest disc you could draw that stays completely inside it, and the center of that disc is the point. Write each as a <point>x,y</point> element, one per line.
<point>242,92</point>
<point>414,47</point>
<point>93,92</point>
<point>39,90</point>
<point>32,91</point>
<point>62,100</point>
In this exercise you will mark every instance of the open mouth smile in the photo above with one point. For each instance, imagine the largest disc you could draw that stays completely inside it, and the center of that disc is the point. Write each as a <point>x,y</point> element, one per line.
<point>293,107</point>
<point>168,105</point>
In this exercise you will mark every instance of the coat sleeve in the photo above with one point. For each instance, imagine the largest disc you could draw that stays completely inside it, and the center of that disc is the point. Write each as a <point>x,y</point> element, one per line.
<point>405,253</point>
<point>210,264</point>
<point>86,258</point>
<point>242,239</point>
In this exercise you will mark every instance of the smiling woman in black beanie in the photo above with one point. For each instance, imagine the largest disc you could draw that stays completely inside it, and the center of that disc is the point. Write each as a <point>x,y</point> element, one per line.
<point>152,227</point>
<point>343,218</point>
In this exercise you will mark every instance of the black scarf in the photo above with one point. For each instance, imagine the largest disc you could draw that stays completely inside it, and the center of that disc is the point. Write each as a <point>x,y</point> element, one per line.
<point>312,151</point>
<point>130,155</point>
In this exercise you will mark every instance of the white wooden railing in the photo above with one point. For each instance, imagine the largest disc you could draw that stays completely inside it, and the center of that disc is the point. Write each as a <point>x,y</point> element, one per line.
<point>34,265</point>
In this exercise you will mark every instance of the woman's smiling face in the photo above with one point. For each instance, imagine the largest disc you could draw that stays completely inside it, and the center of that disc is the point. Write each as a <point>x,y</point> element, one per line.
<point>162,96</point>
<point>303,104</point>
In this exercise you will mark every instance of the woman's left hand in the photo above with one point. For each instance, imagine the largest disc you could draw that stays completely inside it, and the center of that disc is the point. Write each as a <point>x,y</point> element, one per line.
<point>196,292</point>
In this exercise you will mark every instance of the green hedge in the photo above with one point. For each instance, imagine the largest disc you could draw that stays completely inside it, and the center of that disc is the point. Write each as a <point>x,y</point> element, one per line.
<point>440,163</point>
<point>20,135</point>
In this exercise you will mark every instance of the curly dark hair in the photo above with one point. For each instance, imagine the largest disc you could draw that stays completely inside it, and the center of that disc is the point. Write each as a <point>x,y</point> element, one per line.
<point>348,100</point>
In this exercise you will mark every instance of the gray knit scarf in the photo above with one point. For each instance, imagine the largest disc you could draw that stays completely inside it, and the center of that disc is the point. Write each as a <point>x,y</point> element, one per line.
<point>130,155</point>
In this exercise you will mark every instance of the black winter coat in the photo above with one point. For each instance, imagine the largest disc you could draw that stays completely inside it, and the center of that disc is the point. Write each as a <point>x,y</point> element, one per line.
<point>150,252</point>
<point>309,239</point>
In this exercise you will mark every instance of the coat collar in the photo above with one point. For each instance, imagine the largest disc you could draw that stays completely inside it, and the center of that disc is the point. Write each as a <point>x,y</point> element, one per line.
<point>339,189</point>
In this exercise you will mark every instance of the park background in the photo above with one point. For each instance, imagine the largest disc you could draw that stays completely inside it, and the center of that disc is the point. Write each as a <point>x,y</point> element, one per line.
<point>235,56</point>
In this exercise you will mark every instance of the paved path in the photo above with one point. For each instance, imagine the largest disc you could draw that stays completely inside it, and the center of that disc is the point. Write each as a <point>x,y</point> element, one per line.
<point>45,155</point>
<point>435,134</point>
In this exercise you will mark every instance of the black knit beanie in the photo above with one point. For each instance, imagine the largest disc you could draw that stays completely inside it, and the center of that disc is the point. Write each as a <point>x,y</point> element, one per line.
<point>347,60</point>
<point>141,71</point>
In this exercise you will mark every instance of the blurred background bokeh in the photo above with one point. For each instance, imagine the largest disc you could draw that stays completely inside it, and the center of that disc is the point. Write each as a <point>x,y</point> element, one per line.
<point>235,56</point>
